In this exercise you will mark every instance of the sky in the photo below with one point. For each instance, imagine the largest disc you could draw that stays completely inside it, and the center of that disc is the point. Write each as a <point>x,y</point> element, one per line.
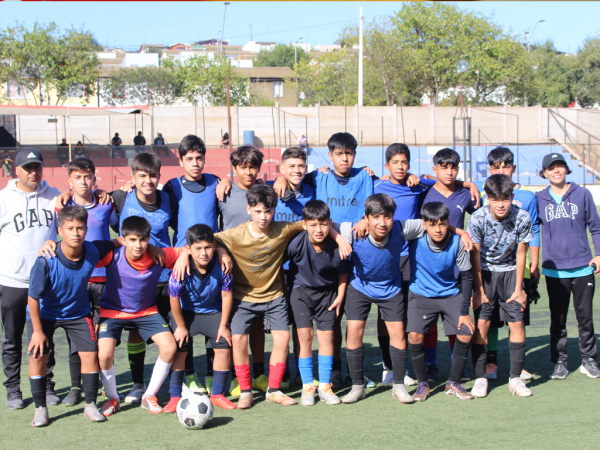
<point>130,24</point>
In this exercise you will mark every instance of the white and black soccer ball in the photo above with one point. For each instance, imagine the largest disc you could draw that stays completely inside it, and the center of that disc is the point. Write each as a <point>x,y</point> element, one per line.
<point>194,410</point>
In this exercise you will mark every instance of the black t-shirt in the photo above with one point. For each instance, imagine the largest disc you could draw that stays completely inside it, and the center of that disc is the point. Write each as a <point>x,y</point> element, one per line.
<point>311,269</point>
<point>139,140</point>
<point>119,201</point>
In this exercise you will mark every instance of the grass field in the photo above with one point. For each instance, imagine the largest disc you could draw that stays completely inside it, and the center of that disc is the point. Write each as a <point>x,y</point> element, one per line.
<point>563,413</point>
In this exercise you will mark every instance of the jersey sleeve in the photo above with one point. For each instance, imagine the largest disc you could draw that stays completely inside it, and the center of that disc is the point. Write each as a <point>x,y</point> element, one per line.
<point>104,247</point>
<point>113,220</point>
<point>39,279</point>
<point>344,266</point>
<point>224,240</point>
<point>471,206</point>
<point>118,197</point>
<point>474,229</point>
<point>532,209</point>
<point>175,286</point>
<point>294,228</point>
<point>309,178</point>
<point>524,233</point>
<point>227,282</point>
<point>345,229</point>
<point>462,257</point>
<point>426,182</point>
<point>172,253</point>
<point>412,229</point>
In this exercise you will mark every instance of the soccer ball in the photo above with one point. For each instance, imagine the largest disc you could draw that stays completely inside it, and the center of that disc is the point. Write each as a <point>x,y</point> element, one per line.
<point>194,410</point>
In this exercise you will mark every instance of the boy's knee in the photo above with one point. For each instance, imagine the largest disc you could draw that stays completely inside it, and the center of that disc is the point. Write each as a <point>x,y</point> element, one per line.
<point>415,338</point>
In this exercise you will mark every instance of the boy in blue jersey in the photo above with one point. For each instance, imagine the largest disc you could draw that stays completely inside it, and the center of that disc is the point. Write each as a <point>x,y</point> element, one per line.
<point>501,161</point>
<point>81,173</point>
<point>459,201</point>
<point>434,291</point>
<point>155,206</point>
<point>319,280</point>
<point>201,304</point>
<point>58,298</point>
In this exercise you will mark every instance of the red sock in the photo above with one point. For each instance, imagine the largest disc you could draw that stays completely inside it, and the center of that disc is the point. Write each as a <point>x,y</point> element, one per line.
<point>431,341</point>
<point>452,339</point>
<point>276,375</point>
<point>242,373</point>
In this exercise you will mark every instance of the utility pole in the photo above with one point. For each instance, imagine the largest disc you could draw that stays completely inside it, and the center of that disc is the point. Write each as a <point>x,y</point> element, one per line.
<point>223,29</point>
<point>360,58</point>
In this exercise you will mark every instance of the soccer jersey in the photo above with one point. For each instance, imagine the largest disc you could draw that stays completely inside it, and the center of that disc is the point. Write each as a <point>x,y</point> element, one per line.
<point>233,208</point>
<point>130,285</point>
<point>312,269</point>
<point>60,284</point>
<point>100,218</point>
<point>459,202</point>
<point>499,240</point>
<point>257,261</point>
<point>290,206</point>
<point>201,292</point>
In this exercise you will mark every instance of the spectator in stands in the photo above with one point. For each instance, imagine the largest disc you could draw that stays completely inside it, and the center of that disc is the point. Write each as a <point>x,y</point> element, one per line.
<point>63,153</point>
<point>225,141</point>
<point>116,143</point>
<point>302,142</point>
<point>140,143</point>
<point>159,144</point>
<point>79,150</point>
<point>7,164</point>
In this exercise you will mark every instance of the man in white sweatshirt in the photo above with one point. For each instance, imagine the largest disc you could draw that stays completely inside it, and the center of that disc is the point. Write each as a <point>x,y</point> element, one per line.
<point>27,220</point>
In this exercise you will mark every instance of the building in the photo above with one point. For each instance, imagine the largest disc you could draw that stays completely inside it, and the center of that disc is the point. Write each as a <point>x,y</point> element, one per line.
<point>180,46</point>
<point>269,83</point>
<point>255,47</point>
<point>140,60</point>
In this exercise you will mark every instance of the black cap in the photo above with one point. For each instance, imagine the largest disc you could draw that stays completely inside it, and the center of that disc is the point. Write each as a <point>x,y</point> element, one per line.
<point>29,155</point>
<point>552,158</point>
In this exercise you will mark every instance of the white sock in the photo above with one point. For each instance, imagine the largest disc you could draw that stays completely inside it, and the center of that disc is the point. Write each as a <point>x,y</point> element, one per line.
<point>110,383</point>
<point>159,374</point>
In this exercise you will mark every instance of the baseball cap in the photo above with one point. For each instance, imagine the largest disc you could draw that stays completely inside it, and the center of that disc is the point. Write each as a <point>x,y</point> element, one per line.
<point>29,155</point>
<point>552,158</point>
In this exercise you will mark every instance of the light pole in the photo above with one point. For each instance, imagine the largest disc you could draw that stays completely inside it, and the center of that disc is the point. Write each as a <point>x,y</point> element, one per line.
<point>526,101</point>
<point>296,51</point>
<point>223,28</point>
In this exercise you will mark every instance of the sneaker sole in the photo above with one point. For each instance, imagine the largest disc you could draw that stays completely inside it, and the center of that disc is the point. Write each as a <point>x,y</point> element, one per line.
<point>478,394</point>
<point>584,371</point>
<point>459,396</point>
<point>130,400</point>
<point>556,377</point>
<point>405,402</point>
<point>93,420</point>
<point>331,402</point>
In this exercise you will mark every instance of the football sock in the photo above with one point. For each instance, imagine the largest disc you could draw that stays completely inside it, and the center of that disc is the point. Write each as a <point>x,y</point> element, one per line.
<point>275,376</point>
<point>337,365</point>
<point>210,358</point>
<point>431,346</point>
<point>384,346</point>
<point>176,383</point>
<point>90,386</point>
<point>287,365</point>
<point>258,369</point>
<point>492,337</point>
<point>38,390</point>
<point>459,360</point>
<point>417,354</point>
<point>137,354</point>
<point>517,358</point>
<point>75,369</point>
<point>305,366</point>
<point>479,357</point>
<point>398,364</point>
<point>189,362</point>
<point>242,372</point>
<point>110,383</point>
<point>355,365</point>
<point>452,341</point>
<point>296,357</point>
<point>325,366</point>
<point>219,381</point>
<point>159,374</point>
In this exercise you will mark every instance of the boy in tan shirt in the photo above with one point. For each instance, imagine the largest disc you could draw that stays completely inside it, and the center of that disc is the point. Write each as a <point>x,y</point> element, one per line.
<point>257,248</point>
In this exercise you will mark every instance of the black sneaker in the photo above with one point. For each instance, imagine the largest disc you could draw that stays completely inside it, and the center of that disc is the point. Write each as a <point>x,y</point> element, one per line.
<point>73,397</point>
<point>590,368</point>
<point>432,373</point>
<point>51,398</point>
<point>560,371</point>
<point>14,400</point>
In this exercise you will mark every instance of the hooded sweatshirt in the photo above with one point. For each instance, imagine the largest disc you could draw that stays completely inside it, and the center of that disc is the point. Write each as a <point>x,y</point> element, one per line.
<point>27,220</point>
<point>564,226</point>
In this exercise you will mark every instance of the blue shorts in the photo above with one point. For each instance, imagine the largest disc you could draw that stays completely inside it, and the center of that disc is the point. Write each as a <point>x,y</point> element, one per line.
<point>147,326</point>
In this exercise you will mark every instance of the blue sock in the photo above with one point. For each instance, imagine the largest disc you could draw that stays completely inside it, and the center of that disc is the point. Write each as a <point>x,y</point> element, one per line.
<point>176,383</point>
<point>305,366</point>
<point>452,353</point>
<point>430,354</point>
<point>325,367</point>
<point>287,364</point>
<point>219,381</point>
<point>296,357</point>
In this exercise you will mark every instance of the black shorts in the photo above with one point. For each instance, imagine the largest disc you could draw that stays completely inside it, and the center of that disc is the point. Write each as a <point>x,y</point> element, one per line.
<point>274,315</point>
<point>288,279</point>
<point>499,287</point>
<point>147,326</point>
<point>358,306</point>
<point>308,304</point>
<point>423,313</point>
<point>95,291</point>
<point>204,324</point>
<point>80,333</point>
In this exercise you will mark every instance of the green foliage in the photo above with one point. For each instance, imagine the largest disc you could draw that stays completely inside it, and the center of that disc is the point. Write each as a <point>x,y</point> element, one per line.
<point>152,86</point>
<point>587,73</point>
<point>281,56</point>
<point>44,59</point>
<point>554,76</point>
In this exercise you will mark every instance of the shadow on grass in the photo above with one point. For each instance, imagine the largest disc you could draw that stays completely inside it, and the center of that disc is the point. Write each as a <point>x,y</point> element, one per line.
<point>218,422</point>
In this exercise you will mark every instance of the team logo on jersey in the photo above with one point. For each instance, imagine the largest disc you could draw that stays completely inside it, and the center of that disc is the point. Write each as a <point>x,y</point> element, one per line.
<point>462,208</point>
<point>261,258</point>
<point>103,328</point>
<point>99,215</point>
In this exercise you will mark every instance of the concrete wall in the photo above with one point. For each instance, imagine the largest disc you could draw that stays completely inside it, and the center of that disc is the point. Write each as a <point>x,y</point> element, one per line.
<point>372,126</point>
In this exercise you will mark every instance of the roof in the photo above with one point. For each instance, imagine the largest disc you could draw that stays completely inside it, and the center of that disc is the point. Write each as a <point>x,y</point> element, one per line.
<point>265,72</point>
<point>73,111</point>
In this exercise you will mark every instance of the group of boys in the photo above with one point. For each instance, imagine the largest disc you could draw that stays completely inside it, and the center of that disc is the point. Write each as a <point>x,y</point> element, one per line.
<point>317,246</point>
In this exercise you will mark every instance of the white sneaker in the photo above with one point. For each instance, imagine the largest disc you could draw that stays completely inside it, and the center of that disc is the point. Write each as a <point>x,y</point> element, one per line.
<point>135,395</point>
<point>480,388</point>
<point>408,381</point>
<point>526,375</point>
<point>387,380</point>
<point>516,386</point>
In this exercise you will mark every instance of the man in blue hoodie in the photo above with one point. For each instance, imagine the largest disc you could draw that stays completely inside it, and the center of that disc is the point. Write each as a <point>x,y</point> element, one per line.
<point>28,219</point>
<point>567,212</point>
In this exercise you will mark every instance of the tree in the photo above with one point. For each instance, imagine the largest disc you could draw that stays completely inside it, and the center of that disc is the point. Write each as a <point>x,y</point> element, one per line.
<point>152,86</point>
<point>43,59</point>
<point>554,76</point>
<point>281,56</point>
<point>586,81</point>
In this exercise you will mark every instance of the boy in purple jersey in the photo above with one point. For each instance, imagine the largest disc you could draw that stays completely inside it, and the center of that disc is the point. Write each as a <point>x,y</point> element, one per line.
<point>81,173</point>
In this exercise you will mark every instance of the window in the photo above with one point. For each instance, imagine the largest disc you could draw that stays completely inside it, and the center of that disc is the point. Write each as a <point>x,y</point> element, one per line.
<point>77,91</point>
<point>277,88</point>
<point>13,91</point>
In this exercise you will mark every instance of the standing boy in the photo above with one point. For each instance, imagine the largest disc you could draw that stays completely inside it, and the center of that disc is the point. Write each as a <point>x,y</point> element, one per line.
<point>500,233</point>
<point>320,278</point>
